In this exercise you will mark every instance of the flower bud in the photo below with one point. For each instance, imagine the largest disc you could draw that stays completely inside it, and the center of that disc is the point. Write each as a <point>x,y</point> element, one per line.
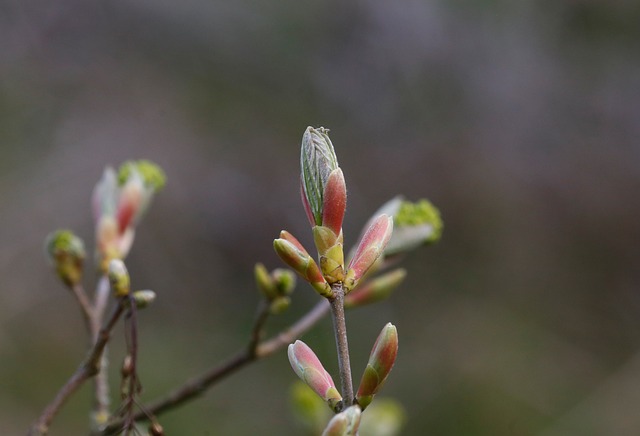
<point>66,252</point>
<point>155,429</point>
<point>381,360</point>
<point>285,281</point>
<point>321,180</point>
<point>119,278</point>
<point>307,366</point>
<point>369,249</point>
<point>293,254</point>
<point>264,282</point>
<point>374,290</point>
<point>279,305</point>
<point>344,423</point>
<point>144,298</point>
<point>118,205</point>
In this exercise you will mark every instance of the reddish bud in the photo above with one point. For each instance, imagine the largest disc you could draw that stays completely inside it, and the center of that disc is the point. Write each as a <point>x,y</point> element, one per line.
<point>307,366</point>
<point>383,356</point>
<point>369,249</point>
<point>335,201</point>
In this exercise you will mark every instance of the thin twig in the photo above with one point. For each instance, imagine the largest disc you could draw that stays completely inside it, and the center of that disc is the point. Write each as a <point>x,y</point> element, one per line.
<point>198,385</point>
<point>85,306</point>
<point>89,368</point>
<point>340,330</point>
<point>102,398</point>
<point>258,325</point>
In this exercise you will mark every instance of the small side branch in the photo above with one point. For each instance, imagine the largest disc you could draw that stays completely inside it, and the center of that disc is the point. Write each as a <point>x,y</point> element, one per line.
<point>85,371</point>
<point>197,386</point>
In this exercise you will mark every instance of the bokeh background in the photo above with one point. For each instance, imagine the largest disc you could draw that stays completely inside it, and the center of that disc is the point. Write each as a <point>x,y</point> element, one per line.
<point>519,120</point>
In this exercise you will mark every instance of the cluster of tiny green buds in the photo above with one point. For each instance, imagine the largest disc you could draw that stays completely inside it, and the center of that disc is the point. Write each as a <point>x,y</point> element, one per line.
<point>415,224</point>
<point>66,252</point>
<point>119,202</point>
<point>275,287</point>
<point>345,423</point>
<point>307,366</point>
<point>376,289</point>
<point>381,360</point>
<point>119,278</point>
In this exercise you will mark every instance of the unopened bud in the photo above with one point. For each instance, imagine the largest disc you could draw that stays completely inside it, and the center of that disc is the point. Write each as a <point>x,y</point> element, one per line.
<point>119,278</point>
<point>307,366</point>
<point>66,252</point>
<point>317,162</point>
<point>156,429</point>
<point>369,249</point>
<point>127,366</point>
<point>144,298</point>
<point>344,423</point>
<point>294,254</point>
<point>383,356</point>
<point>279,304</point>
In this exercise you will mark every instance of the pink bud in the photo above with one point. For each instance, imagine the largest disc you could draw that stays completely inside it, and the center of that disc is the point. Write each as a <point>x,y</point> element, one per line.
<point>307,366</point>
<point>383,356</point>
<point>334,201</point>
<point>371,246</point>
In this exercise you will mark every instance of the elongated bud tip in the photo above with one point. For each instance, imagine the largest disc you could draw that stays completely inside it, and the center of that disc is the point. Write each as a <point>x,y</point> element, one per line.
<point>383,356</point>
<point>119,278</point>
<point>66,251</point>
<point>317,161</point>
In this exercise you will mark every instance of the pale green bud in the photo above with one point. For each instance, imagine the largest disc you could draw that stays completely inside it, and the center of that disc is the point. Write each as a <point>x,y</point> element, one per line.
<point>119,278</point>
<point>317,161</point>
<point>66,252</point>
<point>144,298</point>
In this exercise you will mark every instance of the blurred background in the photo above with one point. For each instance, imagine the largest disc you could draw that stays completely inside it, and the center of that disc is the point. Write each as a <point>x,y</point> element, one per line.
<point>519,120</point>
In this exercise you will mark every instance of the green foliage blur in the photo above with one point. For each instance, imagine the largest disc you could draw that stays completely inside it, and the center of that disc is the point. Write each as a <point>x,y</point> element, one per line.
<point>518,120</point>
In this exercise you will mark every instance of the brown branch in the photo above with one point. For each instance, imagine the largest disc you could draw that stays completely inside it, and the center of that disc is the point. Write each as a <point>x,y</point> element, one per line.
<point>85,305</point>
<point>198,385</point>
<point>340,331</point>
<point>89,368</point>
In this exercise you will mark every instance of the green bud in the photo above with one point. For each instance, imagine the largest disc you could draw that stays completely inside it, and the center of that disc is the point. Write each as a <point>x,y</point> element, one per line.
<point>66,252</point>
<point>119,278</point>
<point>264,281</point>
<point>153,176</point>
<point>144,298</point>
<point>279,305</point>
<point>285,280</point>
<point>317,161</point>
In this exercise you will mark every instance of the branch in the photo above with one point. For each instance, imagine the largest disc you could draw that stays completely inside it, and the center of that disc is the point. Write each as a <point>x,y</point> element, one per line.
<point>340,331</point>
<point>86,370</point>
<point>198,385</point>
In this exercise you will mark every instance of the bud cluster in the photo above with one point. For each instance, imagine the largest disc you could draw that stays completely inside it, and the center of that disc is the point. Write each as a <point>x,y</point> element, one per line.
<point>119,202</point>
<point>324,197</point>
